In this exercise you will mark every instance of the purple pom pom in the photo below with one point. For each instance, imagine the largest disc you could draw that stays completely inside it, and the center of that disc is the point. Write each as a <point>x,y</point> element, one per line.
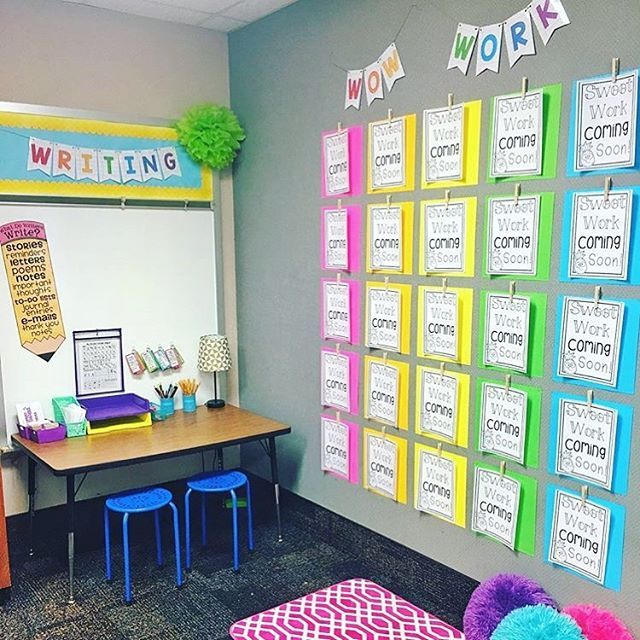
<point>497,597</point>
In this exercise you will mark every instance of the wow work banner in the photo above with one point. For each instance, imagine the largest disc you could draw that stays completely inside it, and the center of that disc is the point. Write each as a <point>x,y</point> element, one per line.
<point>54,156</point>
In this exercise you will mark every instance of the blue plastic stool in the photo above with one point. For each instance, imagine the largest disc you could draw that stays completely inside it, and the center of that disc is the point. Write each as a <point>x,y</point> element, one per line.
<point>140,501</point>
<point>218,482</point>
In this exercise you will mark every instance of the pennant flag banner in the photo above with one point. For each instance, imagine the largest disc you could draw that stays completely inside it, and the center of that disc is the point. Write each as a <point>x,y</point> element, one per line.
<point>54,156</point>
<point>383,72</point>
<point>517,33</point>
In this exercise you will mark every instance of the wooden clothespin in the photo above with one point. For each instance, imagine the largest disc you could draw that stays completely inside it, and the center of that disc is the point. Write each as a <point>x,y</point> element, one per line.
<point>584,495</point>
<point>597,294</point>
<point>439,449</point>
<point>447,197</point>
<point>607,188</point>
<point>337,416</point>
<point>615,68</point>
<point>444,285</point>
<point>503,468</point>
<point>525,86</point>
<point>123,203</point>
<point>211,206</point>
<point>386,283</point>
<point>517,189</point>
<point>442,369</point>
<point>338,348</point>
<point>338,277</point>
<point>589,398</point>
<point>384,358</point>
<point>388,201</point>
<point>450,101</point>
<point>186,205</point>
<point>512,290</point>
<point>389,116</point>
<point>507,382</point>
<point>339,204</point>
<point>339,127</point>
<point>384,432</point>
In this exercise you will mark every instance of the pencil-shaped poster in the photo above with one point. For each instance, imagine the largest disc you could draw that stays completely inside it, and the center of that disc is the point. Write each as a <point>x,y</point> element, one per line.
<point>25,252</point>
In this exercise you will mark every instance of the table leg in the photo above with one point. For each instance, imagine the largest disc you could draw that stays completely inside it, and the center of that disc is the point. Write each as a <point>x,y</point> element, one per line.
<point>31,469</point>
<point>71,499</point>
<point>220,456</point>
<point>273,457</point>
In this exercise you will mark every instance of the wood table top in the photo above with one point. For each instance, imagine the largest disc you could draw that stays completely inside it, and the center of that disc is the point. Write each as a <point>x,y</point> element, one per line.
<point>182,433</point>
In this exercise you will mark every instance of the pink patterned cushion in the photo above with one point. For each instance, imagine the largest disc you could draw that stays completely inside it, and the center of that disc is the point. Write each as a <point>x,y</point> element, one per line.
<point>352,610</point>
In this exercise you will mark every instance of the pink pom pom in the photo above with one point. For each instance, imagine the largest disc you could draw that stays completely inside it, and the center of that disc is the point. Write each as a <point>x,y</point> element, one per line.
<point>596,623</point>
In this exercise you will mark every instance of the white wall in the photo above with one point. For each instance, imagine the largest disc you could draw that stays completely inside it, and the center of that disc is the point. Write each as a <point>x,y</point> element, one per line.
<point>56,54</point>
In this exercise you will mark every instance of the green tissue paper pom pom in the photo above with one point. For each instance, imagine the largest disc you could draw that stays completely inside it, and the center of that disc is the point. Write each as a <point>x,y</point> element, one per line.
<point>211,134</point>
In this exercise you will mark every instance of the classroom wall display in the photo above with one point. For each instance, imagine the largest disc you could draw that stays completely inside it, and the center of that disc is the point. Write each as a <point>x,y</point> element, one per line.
<point>591,441</point>
<point>442,405</point>
<point>32,287</point>
<point>339,379</point>
<point>585,536</point>
<point>340,446</point>
<point>597,342</point>
<point>445,323</point>
<point>600,237</point>
<point>507,420</point>
<point>505,506</point>
<point>340,229</point>
<point>518,231</point>
<point>546,15</point>
<point>604,124</point>
<point>384,464</point>
<point>388,316</point>
<point>98,363</point>
<point>447,237</point>
<point>391,154</point>
<point>523,138</point>
<point>451,145</point>
<point>440,479</point>
<point>389,247</point>
<point>386,389</point>
<point>341,162</point>
<point>58,156</point>
<point>340,310</point>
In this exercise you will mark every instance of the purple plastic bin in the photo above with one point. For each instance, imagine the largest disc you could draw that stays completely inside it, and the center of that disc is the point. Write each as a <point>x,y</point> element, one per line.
<point>42,436</point>
<point>110,407</point>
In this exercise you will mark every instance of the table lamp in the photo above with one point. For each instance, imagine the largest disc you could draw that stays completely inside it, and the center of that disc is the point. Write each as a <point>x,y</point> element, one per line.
<point>214,356</point>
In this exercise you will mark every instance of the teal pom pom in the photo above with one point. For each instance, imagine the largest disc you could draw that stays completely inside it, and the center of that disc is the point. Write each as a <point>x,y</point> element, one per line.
<point>538,622</point>
<point>211,134</point>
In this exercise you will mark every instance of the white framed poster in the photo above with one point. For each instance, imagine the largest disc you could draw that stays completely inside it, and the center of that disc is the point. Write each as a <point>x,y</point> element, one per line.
<point>443,143</point>
<point>98,361</point>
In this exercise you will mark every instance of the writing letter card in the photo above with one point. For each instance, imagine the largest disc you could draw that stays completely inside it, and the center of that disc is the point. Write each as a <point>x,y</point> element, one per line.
<point>385,465</point>
<point>340,444</point>
<point>339,379</point>
<point>388,317</point>
<point>391,155</point>
<point>340,310</point>
<point>386,389</point>
<point>390,238</point>
<point>340,238</point>
<point>342,163</point>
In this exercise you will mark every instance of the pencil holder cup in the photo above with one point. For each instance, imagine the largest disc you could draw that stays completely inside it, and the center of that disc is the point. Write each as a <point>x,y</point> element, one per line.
<point>167,407</point>
<point>189,403</point>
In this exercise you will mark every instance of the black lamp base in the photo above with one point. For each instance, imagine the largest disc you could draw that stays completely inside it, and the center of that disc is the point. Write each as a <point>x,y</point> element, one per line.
<point>215,404</point>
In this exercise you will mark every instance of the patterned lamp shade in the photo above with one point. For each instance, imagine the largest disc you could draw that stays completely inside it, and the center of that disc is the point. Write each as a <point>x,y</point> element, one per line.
<point>214,354</point>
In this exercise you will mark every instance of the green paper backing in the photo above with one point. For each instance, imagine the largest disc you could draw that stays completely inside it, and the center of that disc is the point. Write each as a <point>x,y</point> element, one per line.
<point>526,527</point>
<point>545,233</point>
<point>532,440</point>
<point>551,108</point>
<point>537,331</point>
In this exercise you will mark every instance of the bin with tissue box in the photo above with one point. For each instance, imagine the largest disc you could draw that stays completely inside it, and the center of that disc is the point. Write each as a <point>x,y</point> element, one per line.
<point>114,413</point>
<point>67,411</point>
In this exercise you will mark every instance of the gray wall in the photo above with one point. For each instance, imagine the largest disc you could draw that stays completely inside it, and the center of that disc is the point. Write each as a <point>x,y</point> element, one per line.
<point>286,90</point>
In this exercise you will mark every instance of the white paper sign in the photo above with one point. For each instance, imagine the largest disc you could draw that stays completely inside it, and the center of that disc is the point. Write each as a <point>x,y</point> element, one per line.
<point>353,89</point>
<point>600,235</point>
<point>335,447</point>
<point>506,338</point>
<point>382,469</point>
<point>336,239</point>
<point>335,380</point>
<point>606,123</point>
<point>443,143</point>
<point>336,158</point>
<point>496,502</point>
<point>489,46</point>
<point>387,154</point>
<point>40,156</point>
<point>391,66</point>
<point>590,340</point>
<point>441,314</point>
<point>586,444</point>
<point>513,236</point>
<point>373,83</point>
<point>580,536</point>
<point>383,319</point>
<point>444,242</point>
<point>382,394</point>
<point>385,237</point>
<point>519,38</point>
<point>548,16</point>
<point>503,421</point>
<point>436,487</point>
<point>462,47</point>
<point>337,311</point>
<point>516,148</point>
<point>438,405</point>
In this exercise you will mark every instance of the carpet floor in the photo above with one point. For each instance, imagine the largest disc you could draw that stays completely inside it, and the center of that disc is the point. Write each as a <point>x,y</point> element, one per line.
<point>319,549</point>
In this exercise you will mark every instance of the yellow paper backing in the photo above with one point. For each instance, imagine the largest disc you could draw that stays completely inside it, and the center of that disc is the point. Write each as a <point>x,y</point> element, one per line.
<point>401,485</point>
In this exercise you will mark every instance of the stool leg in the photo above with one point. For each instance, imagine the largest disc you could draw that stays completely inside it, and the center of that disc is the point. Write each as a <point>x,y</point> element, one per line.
<point>249,518</point>
<point>107,544</point>
<point>234,501</point>
<point>176,542</point>
<point>156,523</point>
<point>203,518</point>
<point>187,530</point>
<point>125,548</point>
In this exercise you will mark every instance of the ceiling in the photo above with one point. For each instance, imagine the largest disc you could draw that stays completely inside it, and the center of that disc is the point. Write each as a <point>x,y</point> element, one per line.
<point>221,15</point>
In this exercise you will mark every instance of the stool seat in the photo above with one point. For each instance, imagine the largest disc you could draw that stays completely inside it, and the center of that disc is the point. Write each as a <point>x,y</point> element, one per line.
<point>139,501</point>
<point>214,482</point>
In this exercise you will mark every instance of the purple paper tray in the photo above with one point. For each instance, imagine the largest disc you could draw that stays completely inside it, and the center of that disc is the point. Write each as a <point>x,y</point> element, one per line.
<point>110,407</point>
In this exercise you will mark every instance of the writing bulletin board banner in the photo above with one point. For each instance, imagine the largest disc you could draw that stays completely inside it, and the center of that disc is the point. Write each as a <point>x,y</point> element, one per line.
<point>56,156</point>
<point>341,167</point>
<point>25,251</point>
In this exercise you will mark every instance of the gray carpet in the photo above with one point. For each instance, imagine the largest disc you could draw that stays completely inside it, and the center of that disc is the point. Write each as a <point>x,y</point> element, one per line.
<point>316,552</point>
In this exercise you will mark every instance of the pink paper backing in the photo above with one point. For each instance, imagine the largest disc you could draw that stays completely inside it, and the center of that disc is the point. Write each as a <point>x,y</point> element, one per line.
<point>356,136</point>
<point>354,229</point>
